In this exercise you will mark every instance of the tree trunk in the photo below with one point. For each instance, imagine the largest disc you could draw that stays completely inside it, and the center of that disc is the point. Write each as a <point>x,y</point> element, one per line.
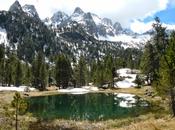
<point>172,101</point>
<point>16,115</point>
<point>16,119</point>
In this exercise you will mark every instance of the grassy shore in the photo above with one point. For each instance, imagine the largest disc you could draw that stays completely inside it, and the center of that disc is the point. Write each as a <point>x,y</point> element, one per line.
<point>158,119</point>
<point>54,91</point>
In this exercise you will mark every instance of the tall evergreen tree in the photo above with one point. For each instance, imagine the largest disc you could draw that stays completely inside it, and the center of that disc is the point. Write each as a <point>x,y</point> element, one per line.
<point>19,74</point>
<point>167,72</point>
<point>150,63</point>
<point>165,62</point>
<point>2,63</point>
<point>109,68</point>
<point>39,72</point>
<point>80,72</point>
<point>27,75</point>
<point>10,67</point>
<point>99,75</point>
<point>43,76</point>
<point>63,71</point>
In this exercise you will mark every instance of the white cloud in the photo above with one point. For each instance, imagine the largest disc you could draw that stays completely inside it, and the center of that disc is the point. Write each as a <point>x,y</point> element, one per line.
<point>141,27</point>
<point>169,26</point>
<point>123,11</point>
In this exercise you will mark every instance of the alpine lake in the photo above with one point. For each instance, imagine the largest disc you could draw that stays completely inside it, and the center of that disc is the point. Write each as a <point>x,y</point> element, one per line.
<point>89,106</point>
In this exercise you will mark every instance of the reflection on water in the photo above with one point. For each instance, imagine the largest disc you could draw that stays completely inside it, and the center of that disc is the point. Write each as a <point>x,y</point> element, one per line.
<point>91,106</point>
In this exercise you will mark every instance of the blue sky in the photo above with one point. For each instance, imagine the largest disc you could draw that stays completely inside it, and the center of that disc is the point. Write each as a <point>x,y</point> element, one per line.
<point>167,16</point>
<point>138,15</point>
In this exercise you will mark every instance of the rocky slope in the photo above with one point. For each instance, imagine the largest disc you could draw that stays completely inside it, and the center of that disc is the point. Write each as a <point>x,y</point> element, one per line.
<point>79,34</point>
<point>99,28</point>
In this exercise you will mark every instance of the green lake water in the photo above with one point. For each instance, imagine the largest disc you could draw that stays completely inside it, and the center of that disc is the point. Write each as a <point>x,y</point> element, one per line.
<point>91,106</point>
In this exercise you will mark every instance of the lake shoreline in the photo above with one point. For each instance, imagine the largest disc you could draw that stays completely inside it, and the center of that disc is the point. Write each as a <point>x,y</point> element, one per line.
<point>54,91</point>
<point>155,118</point>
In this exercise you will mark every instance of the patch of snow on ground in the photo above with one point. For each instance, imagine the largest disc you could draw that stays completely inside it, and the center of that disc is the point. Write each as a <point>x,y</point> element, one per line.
<point>124,84</point>
<point>19,89</point>
<point>126,100</point>
<point>129,78</point>
<point>83,90</point>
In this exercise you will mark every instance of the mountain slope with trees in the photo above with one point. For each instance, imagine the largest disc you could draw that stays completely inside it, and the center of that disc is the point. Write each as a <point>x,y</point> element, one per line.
<point>34,47</point>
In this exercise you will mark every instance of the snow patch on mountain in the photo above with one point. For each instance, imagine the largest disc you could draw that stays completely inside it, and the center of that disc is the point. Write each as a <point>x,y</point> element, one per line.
<point>30,10</point>
<point>99,28</point>
<point>77,18</point>
<point>77,15</point>
<point>3,37</point>
<point>96,19</point>
<point>59,17</point>
<point>133,41</point>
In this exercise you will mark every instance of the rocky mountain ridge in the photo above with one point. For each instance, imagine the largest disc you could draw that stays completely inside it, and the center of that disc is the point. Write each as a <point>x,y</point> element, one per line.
<point>99,28</point>
<point>25,34</point>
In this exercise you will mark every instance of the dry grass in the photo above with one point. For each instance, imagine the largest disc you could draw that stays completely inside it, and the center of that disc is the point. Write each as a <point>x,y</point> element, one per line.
<point>6,97</point>
<point>151,124</point>
<point>144,122</point>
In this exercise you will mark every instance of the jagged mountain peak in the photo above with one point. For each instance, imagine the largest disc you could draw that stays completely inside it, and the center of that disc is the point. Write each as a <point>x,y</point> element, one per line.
<point>118,28</point>
<point>88,16</point>
<point>93,25</point>
<point>30,10</point>
<point>59,16</point>
<point>16,7</point>
<point>78,10</point>
<point>107,21</point>
<point>59,13</point>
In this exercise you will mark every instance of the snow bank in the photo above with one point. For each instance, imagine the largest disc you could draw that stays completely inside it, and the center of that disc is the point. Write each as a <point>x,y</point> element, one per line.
<point>19,89</point>
<point>91,88</point>
<point>125,84</point>
<point>83,90</point>
<point>125,100</point>
<point>74,90</point>
<point>129,78</point>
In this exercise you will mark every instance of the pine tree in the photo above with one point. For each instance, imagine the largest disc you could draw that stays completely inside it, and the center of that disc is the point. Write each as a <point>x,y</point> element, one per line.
<point>39,72</point>
<point>63,71</point>
<point>108,70</point>
<point>99,76</point>
<point>2,63</point>
<point>130,61</point>
<point>10,67</point>
<point>80,72</point>
<point>43,76</point>
<point>167,71</point>
<point>28,75</point>
<point>150,63</point>
<point>19,74</point>
<point>35,73</point>
<point>20,106</point>
<point>165,67</point>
